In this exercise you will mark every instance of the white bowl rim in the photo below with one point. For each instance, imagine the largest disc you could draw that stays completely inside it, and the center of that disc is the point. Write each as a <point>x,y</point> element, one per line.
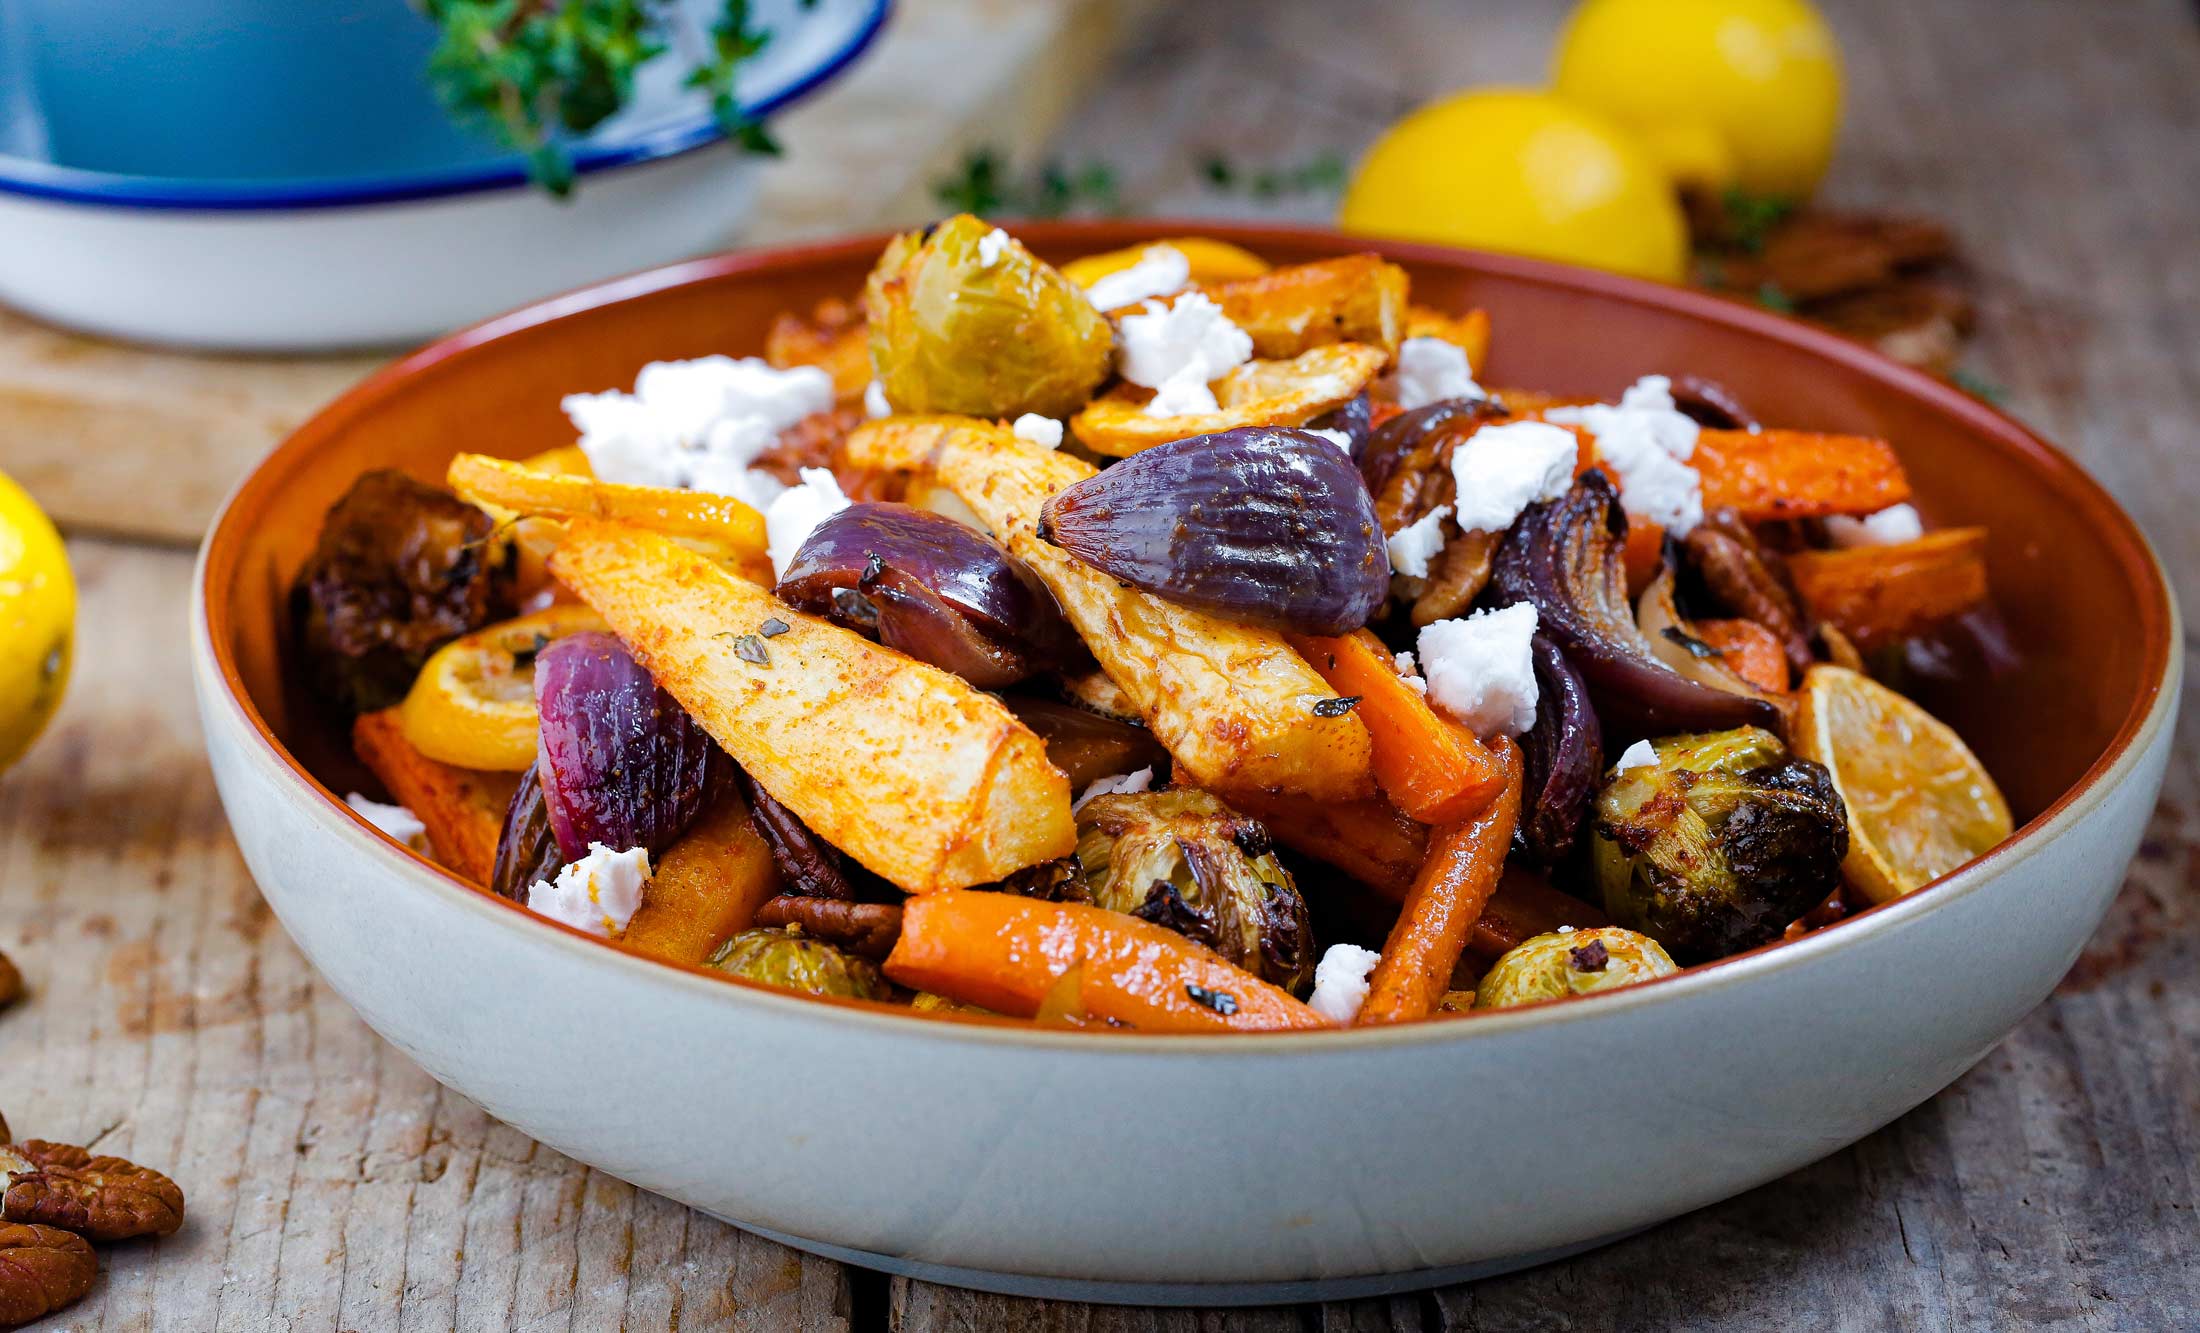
<point>34,179</point>
<point>2123,754</point>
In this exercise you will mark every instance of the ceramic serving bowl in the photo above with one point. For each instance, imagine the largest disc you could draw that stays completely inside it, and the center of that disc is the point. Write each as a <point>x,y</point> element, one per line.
<point>1213,1169</point>
<point>271,175</point>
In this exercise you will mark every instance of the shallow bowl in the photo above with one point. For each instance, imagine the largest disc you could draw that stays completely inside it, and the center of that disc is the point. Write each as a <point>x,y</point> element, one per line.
<point>1195,1169</point>
<point>271,175</point>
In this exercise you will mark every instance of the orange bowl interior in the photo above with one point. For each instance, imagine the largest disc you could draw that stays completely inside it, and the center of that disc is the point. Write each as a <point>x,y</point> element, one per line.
<point>2084,601</point>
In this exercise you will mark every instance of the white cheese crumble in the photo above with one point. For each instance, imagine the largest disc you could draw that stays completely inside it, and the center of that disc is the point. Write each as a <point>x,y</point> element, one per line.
<point>1120,785</point>
<point>1409,671</point>
<point>1480,670</point>
<point>1889,527</point>
<point>1501,470</point>
<point>1178,350</point>
<point>697,424</point>
<point>597,893</point>
<point>1644,441</point>
<point>1417,543</point>
<point>991,247</point>
<point>1431,370</point>
<point>874,401</point>
<point>1162,269</point>
<point>395,820</point>
<point>795,514</point>
<point>1639,755</point>
<point>1341,438</point>
<point>1045,432</point>
<point>1340,982</point>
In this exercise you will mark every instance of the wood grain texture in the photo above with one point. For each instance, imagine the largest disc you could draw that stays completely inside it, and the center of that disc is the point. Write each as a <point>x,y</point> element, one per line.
<point>332,1185</point>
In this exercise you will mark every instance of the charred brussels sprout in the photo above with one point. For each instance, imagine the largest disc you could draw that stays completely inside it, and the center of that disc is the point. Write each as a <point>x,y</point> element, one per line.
<point>783,956</point>
<point>1720,844</point>
<point>1573,962</point>
<point>1184,860</point>
<point>951,332</point>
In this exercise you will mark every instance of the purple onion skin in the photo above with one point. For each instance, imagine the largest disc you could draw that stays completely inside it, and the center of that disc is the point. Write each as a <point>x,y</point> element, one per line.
<point>1564,756</point>
<point>1390,442</point>
<point>1563,555</point>
<point>931,588</point>
<point>1711,404</point>
<point>621,763</point>
<point>1355,419</point>
<point>527,851</point>
<point>1261,525</point>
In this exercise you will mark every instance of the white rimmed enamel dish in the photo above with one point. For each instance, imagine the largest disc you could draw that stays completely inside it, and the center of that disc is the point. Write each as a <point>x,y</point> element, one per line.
<point>1214,1170</point>
<point>291,185</point>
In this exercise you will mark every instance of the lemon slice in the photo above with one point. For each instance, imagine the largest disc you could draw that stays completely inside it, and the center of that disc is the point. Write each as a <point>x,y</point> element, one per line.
<point>473,704</point>
<point>1920,803</point>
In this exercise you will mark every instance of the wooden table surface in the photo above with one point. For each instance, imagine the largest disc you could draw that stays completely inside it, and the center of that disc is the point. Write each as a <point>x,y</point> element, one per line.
<point>333,1185</point>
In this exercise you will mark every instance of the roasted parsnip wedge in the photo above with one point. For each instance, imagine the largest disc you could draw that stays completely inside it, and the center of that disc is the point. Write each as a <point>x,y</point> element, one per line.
<point>1258,393</point>
<point>718,526</point>
<point>920,777</point>
<point>1356,298</point>
<point>1233,704</point>
<point>1470,332</point>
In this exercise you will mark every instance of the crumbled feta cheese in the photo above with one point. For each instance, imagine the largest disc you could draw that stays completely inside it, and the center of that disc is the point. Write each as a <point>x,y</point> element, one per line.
<point>1415,544</point>
<point>1045,432</point>
<point>1340,981</point>
<point>874,401</point>
<point>1480,671</point>
<point>597,893</point>
<point>1644,441</point>
<point>1142,780</point>
<point>1639,755</point>
<point>797,511</point>
<point>1162,269</point>
<point>1178,350</point>
<point>1431,370</point>
<point>697,424</point>
<point>991,247</point>
<point>1501,470</point>
<point>1410,671</point>
<point>1888,527</point>
<point>1341,438</point>
<point>395,820</point>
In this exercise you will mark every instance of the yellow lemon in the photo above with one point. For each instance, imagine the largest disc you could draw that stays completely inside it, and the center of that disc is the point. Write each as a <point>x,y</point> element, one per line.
<point>1725,93</point>
<point>1526,172</point>
<point>37,620</point>
<point>473,704</point>
<point>1210,260</point>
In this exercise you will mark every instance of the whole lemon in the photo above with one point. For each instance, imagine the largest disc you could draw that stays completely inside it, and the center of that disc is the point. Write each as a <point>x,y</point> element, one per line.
<point>1742,94</point>
<point>1525,172</point>
<point>37,620</point>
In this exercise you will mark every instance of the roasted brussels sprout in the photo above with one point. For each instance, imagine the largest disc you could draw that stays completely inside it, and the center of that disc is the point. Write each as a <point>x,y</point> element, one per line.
<point>783,956</point>
<point>1184,860</point>
<point>1720,844</point>
<point>401,568</point>
<point>1571,962</point>
<point>952,332</point>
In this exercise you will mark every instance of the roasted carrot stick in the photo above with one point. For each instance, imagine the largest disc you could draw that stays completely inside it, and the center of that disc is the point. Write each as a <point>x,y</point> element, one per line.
<point>1524,906</point>
<point>1005,952</point>
<point>707,886</point>
<point>1796,473</point>
<point>1373,841</point>
<point>1875,594</point>
<point>1463,864</point>
<point>1751,651</point>
<point>1431,768</point>
<point>463,808</point>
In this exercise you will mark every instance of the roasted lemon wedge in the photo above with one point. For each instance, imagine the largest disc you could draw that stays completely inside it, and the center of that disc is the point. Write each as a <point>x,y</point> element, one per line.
<point>473,704</point>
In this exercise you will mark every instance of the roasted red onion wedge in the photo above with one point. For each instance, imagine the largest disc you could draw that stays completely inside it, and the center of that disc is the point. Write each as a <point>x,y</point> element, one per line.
<point>1711,404</point>
<point>1355,420</point>
<point>1391,443</point>
<point>1260,525</point>
<point>1085,745</point>
<point>932,588</point>
<point>1564,756</point>
<point>620,762</point>
<point>1563,555</point>
<point>527,851</point>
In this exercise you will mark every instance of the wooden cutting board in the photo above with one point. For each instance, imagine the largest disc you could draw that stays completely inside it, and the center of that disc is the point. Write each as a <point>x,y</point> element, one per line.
<point>146,443</point>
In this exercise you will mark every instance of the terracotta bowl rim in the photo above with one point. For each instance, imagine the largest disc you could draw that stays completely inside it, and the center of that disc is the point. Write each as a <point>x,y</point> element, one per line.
<point>214,660</point>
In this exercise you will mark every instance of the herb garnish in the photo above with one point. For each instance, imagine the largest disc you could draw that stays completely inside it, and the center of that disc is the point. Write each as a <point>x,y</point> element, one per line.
<point>1221,1001</point>
<point>749,648</point>
<point>1752,218</point>
<point>855,606</point>
<point>1978,386</point>
<point>1336,707</point>
<point>1771,296</point>
<point>1590,957</point>
<point>983,186</point>
<point>773,628</point>
<point>1324,173</point>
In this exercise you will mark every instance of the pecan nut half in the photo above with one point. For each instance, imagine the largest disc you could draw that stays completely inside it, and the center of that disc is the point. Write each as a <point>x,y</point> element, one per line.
<point>11,981</point>
<point>100,1198</point>
<point>42,1269</point>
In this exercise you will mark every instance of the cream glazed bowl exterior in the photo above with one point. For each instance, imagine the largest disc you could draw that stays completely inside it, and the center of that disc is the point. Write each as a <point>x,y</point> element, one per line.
<point>1132,1168</point>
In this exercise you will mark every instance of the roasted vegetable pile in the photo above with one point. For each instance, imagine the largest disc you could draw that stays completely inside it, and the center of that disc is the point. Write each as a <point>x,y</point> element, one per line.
<point>1164,642</point>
